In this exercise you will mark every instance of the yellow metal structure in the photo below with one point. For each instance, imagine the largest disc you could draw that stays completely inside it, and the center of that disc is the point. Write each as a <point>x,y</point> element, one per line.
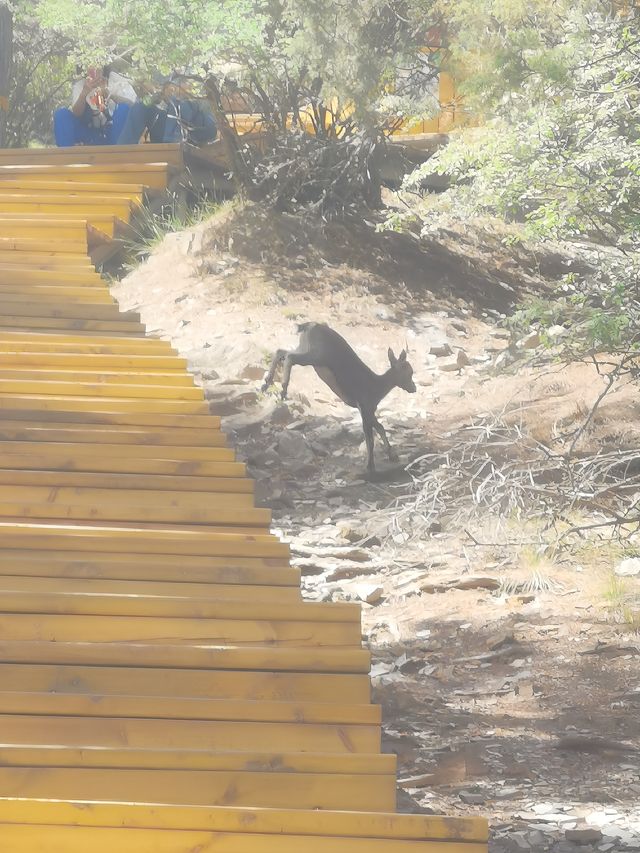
<point>163,687</point>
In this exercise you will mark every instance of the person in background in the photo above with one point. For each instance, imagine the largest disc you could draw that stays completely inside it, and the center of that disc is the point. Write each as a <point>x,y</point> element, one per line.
<point>99,107</point>
<point>170,114</point>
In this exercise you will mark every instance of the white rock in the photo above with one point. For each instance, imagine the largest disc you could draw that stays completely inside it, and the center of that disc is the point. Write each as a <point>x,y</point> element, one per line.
<point>629,568</point>
<point>556,332</point>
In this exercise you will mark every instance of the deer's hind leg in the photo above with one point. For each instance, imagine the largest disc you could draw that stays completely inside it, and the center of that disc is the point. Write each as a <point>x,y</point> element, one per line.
<point>393,456</point>
<point>368,421</point>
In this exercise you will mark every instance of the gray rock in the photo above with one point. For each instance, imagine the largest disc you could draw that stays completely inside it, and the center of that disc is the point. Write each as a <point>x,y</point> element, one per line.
<point>441,350</point>
<point>292,445</point>
<point>583,835</point>
<point>472,799</point>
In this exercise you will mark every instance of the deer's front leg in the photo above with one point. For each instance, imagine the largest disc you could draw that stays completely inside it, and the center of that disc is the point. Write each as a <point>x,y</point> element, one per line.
<point>393,456</point>
<point>277,358</point>
<point>290,359</point>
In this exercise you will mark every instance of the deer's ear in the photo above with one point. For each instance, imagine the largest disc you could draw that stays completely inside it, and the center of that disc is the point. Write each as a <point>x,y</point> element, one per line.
<point>403,355</point>
<point>392,358</point>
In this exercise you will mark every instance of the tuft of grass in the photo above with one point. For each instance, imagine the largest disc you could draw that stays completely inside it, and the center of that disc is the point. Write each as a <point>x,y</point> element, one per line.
<point>539,569</point>
<point>151,228</point>
<point>623,601</point>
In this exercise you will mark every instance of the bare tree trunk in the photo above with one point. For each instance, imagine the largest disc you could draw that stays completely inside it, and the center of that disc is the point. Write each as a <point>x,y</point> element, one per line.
<point>239,170</point>
<point>6,62</point>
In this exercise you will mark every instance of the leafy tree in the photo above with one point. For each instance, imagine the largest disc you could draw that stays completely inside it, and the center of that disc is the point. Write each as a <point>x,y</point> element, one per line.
<point>559,150</point>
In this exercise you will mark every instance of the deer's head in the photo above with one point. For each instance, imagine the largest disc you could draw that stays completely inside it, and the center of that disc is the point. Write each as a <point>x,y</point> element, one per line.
<point>402,371</point>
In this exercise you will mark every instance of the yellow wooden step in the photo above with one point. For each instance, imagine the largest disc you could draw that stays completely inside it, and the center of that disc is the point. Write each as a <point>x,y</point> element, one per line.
<point>89,401</point>
<point>88,208</point>
<point>131,706</point>
<point>205,787</point>
<point>69,188</point>
<point>207,735</point>
<point>52,342</point>
<point>90,602</point>
<point>41,231</point>
<point>133,680</point>
<point>178,379</point>
<point>139,540</point>
<point>106,434</point>
<point>39,223</point>
<point>14,296</point>
<point>30,460</point>
<point>72,244</point>
<point>122,156</point>
<point>75,625</point>
<point>60,263</point>
<point>78,450</point>
<point>67,276</point>
<point>16,321</point>
<point>225,516</point>
<point>149,364</point>
<point>105,414</point>
<point>75,827</point>
<point>177,656</point>
<point>154,175</point>
<point>181,590</point>
<point>53,755</point>
<point>25,307</point>
<point>121,566</point>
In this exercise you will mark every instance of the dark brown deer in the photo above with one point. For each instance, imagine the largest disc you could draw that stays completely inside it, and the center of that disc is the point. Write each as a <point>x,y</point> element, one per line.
<point>347,375</point>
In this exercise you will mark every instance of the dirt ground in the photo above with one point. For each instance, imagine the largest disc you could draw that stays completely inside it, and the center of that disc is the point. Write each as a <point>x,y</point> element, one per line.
<point>510,684</point>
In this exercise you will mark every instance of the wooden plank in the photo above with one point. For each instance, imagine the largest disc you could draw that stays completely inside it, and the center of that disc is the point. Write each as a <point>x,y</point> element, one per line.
<point>65,309</point>
<point>192,759</point>
<point>24,838</point>
<point>155,175</point>
<point>121,156</point>
<point>273,659</point>
<point>109,402</point>
<point>178,379</point>
<point>231,517</point>
<point>19,341</point>
<point>105,413</point>
<point>163,609</point>
<point>57,450</point>
<point>15,292</point>
<point>69,245</point>
<point>134,680</point>
<point>206,735</point>
<point>13,322</point>
<point>47,228</point>
<point>181,588</point>
<point>81,275</point>
<point>204,787</point>
<point>161,568</point>
<point>133,192</point>
<point>12,295</point>
<point>74,626</point>
<point>139,540</point>
<point>180,468</point>
<point>12,205</point>
<point>150,364</point>
<point>19,261</point>
<point>105,434</point>
<point>274,822</point>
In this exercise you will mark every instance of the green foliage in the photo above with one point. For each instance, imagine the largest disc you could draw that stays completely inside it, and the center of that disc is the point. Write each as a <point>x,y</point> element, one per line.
<point>559,151</point>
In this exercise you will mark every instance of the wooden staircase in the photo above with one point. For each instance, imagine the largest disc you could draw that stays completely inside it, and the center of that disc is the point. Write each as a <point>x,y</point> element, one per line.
<point>163,687</point>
